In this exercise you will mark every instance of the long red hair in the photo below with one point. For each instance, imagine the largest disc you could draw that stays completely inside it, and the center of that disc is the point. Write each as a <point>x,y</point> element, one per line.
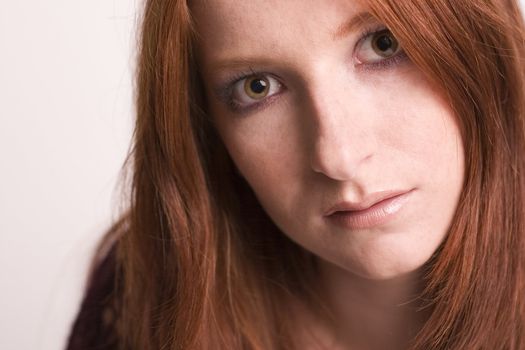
<point>200,265</point>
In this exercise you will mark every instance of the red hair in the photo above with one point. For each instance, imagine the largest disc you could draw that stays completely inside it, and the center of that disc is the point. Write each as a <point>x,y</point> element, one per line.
<point>195,272</point>
<point>473,50</point>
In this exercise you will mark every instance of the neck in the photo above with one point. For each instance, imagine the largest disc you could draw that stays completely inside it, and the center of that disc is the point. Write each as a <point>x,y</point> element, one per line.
<point>369,314</point>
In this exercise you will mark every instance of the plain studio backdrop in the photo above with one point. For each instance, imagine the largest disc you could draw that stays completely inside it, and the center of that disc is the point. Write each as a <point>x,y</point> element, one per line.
<point>66,115</point>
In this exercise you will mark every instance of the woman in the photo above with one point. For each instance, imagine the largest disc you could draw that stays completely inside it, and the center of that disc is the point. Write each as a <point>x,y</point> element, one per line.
<point>321,175</point>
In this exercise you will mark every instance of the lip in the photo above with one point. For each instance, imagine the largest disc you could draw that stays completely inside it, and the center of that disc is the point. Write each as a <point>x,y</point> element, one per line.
<point>376,209</point>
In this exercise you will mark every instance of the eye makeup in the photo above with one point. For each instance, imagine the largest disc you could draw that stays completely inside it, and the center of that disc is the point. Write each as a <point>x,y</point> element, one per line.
<point>225,90</point>
<point>381,64</point>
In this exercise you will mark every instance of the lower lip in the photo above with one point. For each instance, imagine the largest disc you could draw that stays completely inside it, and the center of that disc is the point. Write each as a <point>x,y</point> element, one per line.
<point>378,214</point>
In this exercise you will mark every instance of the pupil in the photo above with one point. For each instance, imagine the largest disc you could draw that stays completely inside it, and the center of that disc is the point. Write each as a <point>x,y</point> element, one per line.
<point>384,42</point>
<point>258,86</point>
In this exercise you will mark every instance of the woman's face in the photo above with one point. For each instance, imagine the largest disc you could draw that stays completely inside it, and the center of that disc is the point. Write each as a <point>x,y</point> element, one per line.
<point>318,109</point>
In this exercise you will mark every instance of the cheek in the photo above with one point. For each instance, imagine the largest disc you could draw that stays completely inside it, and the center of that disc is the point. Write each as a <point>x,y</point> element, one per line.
<point>265,152</point>
<point>422,133</point>
<point>428,149</point>
<point>268,151</point>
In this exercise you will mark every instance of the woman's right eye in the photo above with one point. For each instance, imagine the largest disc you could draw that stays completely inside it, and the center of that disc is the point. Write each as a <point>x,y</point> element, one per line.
<point>253,89</point>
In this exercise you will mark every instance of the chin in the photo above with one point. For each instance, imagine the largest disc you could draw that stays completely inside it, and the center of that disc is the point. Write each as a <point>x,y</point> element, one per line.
<point>388,266</point>
<point>390,256</point>
<point>386,273</point>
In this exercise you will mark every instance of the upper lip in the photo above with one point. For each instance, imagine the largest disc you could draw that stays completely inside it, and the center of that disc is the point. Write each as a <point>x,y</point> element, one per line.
<point>367,201</point>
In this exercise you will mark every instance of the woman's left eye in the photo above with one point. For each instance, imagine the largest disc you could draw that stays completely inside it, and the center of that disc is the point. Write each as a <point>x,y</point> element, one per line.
<point>377,46</point>
<point>253,89</point>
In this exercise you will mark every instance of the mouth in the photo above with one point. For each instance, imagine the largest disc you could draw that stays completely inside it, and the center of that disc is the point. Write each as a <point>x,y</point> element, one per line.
<point>377,209</point>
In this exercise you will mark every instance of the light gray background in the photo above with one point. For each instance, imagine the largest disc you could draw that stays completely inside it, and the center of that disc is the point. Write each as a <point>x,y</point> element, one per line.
<point>65,124</point>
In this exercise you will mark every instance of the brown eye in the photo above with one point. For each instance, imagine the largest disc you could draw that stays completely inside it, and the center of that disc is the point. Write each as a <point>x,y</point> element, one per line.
<point>254,89</point>
<point>257,87</point>
<point>384,44</point>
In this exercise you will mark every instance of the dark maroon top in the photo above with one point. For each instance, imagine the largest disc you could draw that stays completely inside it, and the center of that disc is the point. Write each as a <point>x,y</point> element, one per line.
<point>93,327</point>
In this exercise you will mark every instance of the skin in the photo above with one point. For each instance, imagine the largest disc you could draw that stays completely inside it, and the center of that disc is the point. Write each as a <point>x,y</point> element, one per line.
<point>335,126</point>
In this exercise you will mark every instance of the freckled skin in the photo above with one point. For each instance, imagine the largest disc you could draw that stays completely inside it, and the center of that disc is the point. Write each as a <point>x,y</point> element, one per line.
<point>330,129</point>
<point>334,131</point>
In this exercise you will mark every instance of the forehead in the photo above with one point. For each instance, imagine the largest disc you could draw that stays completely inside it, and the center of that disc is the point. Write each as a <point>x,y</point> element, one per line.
<point>251,28</point>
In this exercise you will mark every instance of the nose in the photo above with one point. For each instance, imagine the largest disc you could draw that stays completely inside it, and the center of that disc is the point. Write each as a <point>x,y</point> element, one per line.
<point>342,134</point>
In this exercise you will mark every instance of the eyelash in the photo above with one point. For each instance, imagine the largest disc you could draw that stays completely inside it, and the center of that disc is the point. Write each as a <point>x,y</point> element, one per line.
<point>225,92</point>
<point>381,64</point>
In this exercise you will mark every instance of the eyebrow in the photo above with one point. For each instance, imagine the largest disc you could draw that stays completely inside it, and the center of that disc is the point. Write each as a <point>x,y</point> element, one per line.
<point>342,30</point>
<point>352,24</point>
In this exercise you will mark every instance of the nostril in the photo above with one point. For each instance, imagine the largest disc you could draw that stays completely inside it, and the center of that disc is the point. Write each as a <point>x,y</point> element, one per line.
<point>338,162</point>
<point>342,135</point>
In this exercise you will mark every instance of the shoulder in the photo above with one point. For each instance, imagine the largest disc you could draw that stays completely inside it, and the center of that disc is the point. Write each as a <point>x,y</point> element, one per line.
<point>94,326</point>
